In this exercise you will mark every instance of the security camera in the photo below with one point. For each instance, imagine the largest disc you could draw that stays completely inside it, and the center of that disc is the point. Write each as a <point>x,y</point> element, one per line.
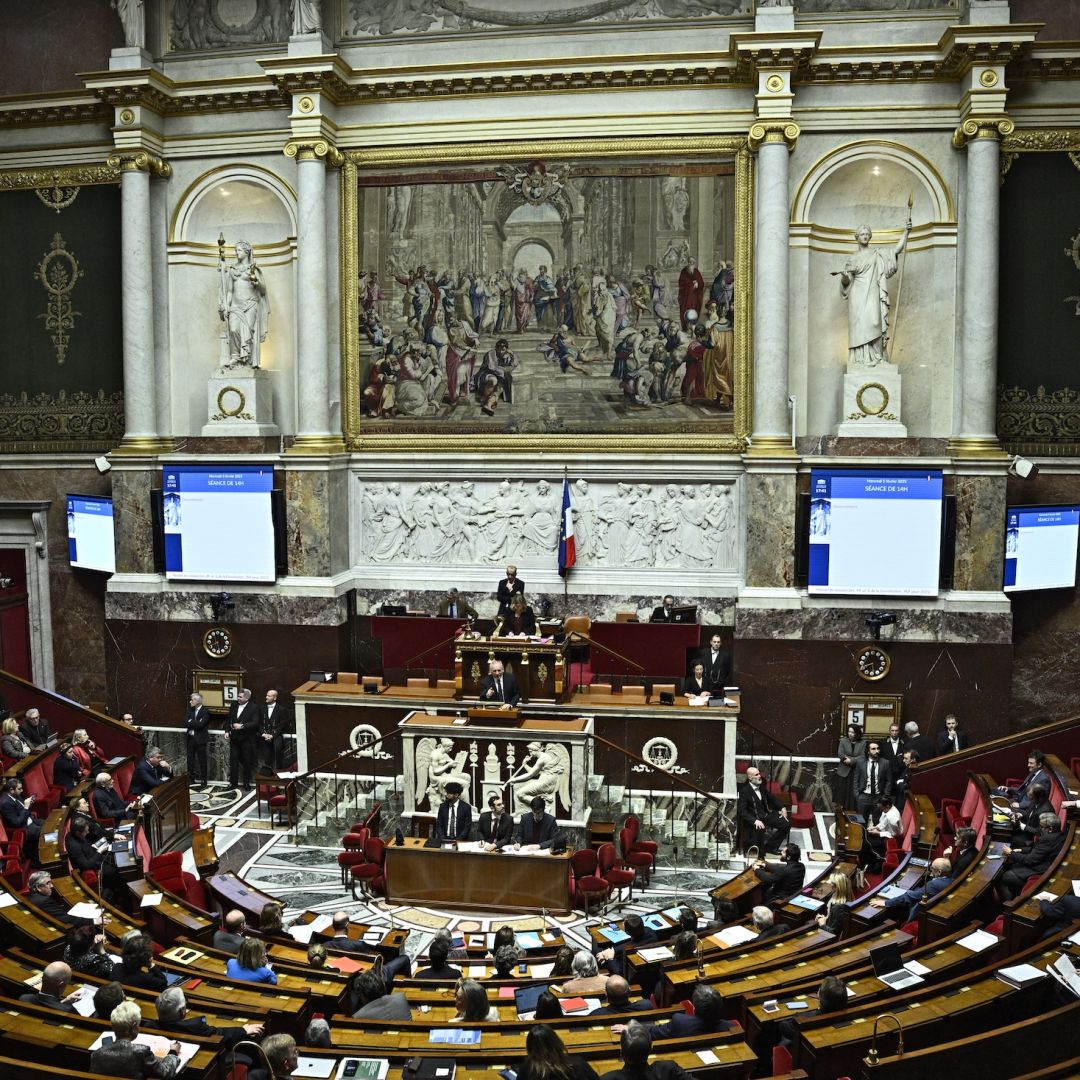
<point>1022,467</point>
<point>102,464</point>
<point>877,619</point>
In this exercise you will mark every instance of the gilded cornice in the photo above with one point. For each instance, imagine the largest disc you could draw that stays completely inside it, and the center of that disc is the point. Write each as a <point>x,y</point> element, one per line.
<point>65,176</point>
<point>150,89</point>
<point>1041,140</point>
<point>27,110</point>
<point>790,50</point>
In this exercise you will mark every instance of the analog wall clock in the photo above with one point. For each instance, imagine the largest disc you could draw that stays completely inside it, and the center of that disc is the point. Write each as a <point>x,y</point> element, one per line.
<point>217,642</point>
<point>872,662</point>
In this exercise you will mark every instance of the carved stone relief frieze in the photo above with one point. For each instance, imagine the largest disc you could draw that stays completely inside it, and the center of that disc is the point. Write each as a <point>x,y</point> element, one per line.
<point>621,525</point>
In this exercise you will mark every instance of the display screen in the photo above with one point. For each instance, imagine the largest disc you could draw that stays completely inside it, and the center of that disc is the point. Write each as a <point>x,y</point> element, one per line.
<point>875,532</point>
<point>1040,547</point>
<point>90,533</point>
<point>218,522</point>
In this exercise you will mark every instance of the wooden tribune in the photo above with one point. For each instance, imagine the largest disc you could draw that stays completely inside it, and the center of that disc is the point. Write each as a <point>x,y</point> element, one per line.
<point>472,878</point>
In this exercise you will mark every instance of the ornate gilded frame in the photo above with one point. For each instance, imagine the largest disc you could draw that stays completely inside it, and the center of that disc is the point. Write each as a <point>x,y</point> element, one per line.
<point>550,149</point>
<point>1067,401</point>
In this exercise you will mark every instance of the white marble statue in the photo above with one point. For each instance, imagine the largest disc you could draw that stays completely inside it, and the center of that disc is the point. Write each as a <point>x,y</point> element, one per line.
<point>306,16</point>
<point>544,771</point>
<point>676,201</point>
<point>243,305</point>
<point>133,15</point>
<point>436,766</point>
<point>863,286</point>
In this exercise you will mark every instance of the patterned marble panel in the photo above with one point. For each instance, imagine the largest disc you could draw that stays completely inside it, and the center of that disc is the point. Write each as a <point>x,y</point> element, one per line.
<point>980,531</point>
<point>770,530</point>
<point>251,607</point>
<point>132,521</point>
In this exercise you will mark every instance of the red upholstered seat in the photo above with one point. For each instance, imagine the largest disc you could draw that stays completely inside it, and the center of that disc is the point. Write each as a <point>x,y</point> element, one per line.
<point>370,875</point>
<point>633,823</point>
<point>639,861</point>
<point>590,890</point>
<point>122,775</point>
<point>609,869</point>
<point>353,855</point>
<point>957,812</point>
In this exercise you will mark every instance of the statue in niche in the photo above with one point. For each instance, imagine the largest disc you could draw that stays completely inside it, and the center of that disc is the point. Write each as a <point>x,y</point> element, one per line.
<point>436,766</point>
<point>242,304</point>
<point>676,202</point>
<point>133,15</point>
<point>398,202</point>
<point>584,518</point>
<point>306,17</point>
<point>544,771</point>
<point>863,286</point>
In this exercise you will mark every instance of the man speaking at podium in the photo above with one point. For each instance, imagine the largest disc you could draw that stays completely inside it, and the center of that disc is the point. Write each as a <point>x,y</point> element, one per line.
<point>498,688</point>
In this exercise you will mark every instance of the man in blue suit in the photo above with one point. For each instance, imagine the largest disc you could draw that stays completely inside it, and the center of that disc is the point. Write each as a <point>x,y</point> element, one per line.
<point>906,906</point>
<point>707,1018</point>
<point>151,771</point>
<point>453,822</point>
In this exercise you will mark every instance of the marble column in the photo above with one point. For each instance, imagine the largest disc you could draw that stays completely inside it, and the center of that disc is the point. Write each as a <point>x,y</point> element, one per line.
<point>772,431</point>
<point>137,292</point>
<point>978,340</point>
<point>313,434</point>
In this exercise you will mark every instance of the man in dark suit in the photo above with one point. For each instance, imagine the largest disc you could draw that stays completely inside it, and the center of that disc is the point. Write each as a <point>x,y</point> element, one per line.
<point>873,778</point>
<point>1059,913</point>
<point>617,992</point>
<point>613,957</point>
<point>35,729</point>
<point>1026,823</point>
<point>172,1016</point>
<point>499,687</point>
<point>922,745</point>
<point>41,895</point>
<point>454,606</point>
<point>273,723</point>
<point>453,821</point>
<point>892,748</point>
<point>783,880</point>
<point>231,936</point>
<point>241,729</point>
<point>1037,775</point>
<point>665,612</point>
<point>107,804</point>
<point>717,664</point>
<point>150,771</point>
<point>55,980</point>
<point>438,968</point>
<point>765,822</point>
<point>635,1046</point>
<point>905,907</point>
<point>375,1003</point>
<point>765,922</point>
<point>15,813</point>
<point>198,738</point>
<point>707,1018</point>
<point>507,587</point>
<point>536,827</point>
<point>952,738</point>
<point>1020,865</point>
<point>496,826</point>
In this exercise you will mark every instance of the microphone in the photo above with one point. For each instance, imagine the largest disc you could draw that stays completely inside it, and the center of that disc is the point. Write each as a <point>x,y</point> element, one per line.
<point>700,959</point>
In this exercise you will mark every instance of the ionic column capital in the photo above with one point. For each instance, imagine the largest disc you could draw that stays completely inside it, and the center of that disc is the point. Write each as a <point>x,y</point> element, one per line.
<point>316,150</point>
<point>763,132</point>
<point>139,161</point>
<point>982,127</point>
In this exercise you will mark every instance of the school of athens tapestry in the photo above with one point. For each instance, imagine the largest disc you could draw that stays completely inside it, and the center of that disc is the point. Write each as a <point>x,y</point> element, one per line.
<point>548,297</point>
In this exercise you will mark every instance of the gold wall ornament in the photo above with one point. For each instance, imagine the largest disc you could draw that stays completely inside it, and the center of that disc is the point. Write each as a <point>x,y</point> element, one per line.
<point>76,420</point>
<point>65,176</point>
<point>231,403</point>
<point>989,77</point>
<point>126,116</point>
<point>58,272</point>
<point>57,197</point>
<point>140,161</point>
<point>314,151</point>
<point>1039,422</point>
<point>1041,140</point>
<point>982,127</point>
<point>305,104</point>
<point>775,83</point>
<point>872,399</point>
<point>773,131</point>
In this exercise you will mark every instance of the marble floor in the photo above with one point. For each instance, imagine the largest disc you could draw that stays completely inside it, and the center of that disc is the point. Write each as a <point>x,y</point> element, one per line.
<point>307,877</point>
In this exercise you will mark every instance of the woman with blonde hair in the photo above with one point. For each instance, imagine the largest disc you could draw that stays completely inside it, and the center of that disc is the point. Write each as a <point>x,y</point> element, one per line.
<point>250,964</point>
<point>833,917</point>
<point>472,1003</point>
<point>12,743</point>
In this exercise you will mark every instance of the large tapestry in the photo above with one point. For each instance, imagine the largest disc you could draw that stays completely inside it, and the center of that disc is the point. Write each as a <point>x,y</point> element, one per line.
<point>549,296</point>
<point>1039,305</point>
<point>62,368</point>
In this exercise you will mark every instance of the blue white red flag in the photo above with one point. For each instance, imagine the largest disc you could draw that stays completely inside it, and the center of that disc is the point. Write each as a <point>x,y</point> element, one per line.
<point>567,552</point>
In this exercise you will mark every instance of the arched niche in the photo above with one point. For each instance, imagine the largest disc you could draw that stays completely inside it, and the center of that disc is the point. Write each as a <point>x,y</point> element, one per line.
<point>869,182</point>
<point>240,200</point>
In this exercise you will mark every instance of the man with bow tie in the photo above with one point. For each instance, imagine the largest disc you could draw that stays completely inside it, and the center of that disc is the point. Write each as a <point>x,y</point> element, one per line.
<point>765,821</point>
<point>272,724</point>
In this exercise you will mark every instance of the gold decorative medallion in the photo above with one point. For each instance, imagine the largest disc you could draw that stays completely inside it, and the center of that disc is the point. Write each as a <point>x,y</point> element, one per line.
<point>231,403</point>
<point>59,196</point>
<point>877,394</point>
<point>58,271</point>
<point>872,662</point>
<point>126,116</point>
<point>305,104</point>
<point>775,83</point>
<point>989,77</point>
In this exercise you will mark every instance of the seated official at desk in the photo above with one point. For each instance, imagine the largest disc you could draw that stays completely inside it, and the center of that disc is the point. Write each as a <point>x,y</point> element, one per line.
<point>536,827</point>
<point>519,620</point>
<point>53,994</point>
<point>40,894</point>
<point>499,687</point>
<point>251,964</point>
<point>665,612</point>
<point>509,585</point>
<point>698,683</point>
<point>495,828</point>
<point>125,1057</point>
<point>150,772</point>
<point>107,804</point>
<point>453,822</point>
<point>454,606</point>
<point>15,814</point>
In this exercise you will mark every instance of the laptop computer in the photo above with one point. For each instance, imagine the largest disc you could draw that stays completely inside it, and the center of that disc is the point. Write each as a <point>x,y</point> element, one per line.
<point>889,967</point>
<point>526,997</point>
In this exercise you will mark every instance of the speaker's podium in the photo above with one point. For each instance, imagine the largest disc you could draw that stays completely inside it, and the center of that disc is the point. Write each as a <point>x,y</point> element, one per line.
<point>536,665</point>
<point>483,717</point>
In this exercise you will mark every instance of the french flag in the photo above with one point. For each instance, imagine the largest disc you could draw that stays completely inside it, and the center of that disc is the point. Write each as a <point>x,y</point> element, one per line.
<point>567,552</point>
